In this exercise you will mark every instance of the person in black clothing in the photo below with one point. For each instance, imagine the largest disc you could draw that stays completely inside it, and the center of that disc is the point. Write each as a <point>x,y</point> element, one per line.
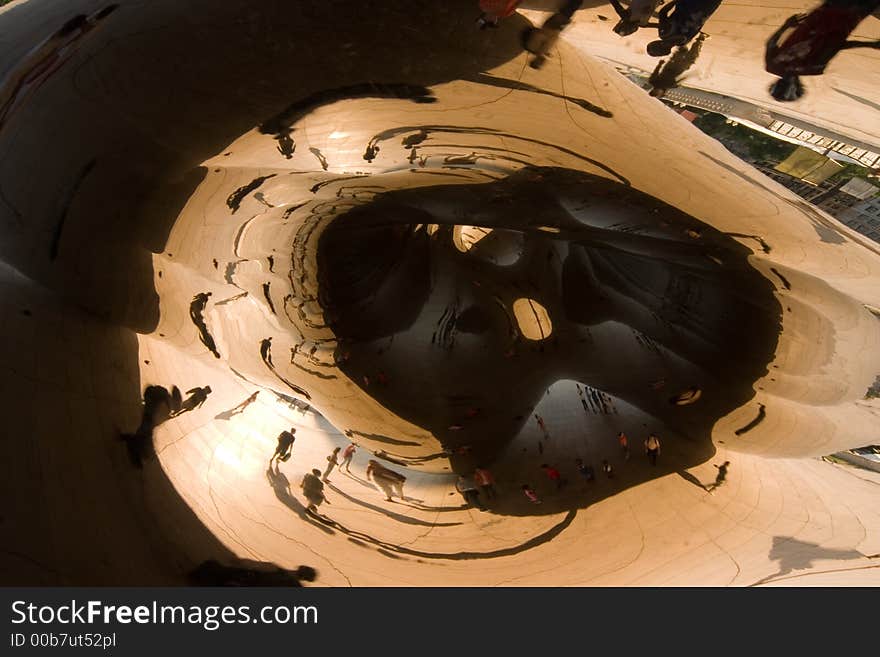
<point>197,315</point>
<point>159,405</point>
<point>679,22</point>
<point>197,397</point>
<point>285,446</point>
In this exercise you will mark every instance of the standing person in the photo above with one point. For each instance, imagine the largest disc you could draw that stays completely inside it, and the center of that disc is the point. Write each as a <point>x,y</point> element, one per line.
<point>607,469</point>
<point>542,426</point>
<point>347,455</point>
<point>554,475</point>
<point>485,481</point>
<point>285,446</point>
<point>530,494</point>
<point>313,489</point>
<point>811,41</point>
<point>586,470</point>
<point>680,21</point>
<point>624,445</point>
<point>720,477</point>
<point>468,490</point>
<point>388,480</point>
<point>332,461</point>
<point>652,448</point>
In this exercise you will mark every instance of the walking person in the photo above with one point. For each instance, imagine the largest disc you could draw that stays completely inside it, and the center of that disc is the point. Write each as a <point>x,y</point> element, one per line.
<point>554,475</point>
<point>468,490</point>
<point>720,478</point>
<point>388,480</point>
<point>347,455</point>
<point>586,470</point>
<point>608,469</point>
<point>313,490</point>
<point>332,462</point>
<point>530,494</point>
<point>285,446</point>
<point>485,481</point>
<point>652,448</point>
<point>624,445</point>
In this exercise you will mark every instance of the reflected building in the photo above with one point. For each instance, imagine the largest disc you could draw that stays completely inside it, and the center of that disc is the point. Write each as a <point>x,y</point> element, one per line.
<point>406,239</point>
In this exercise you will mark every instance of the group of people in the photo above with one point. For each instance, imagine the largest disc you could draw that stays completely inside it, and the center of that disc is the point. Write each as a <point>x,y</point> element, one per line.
<point>476,488</point>
<point>804,45</point>
<point>312,484</point>
<point>586,471</point>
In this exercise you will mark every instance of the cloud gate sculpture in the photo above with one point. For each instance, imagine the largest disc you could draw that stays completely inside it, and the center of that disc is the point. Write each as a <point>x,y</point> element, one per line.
<point>378,225</point>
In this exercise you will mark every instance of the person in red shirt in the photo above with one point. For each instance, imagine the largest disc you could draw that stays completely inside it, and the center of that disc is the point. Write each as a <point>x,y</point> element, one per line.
<point>554,475</point>
<point>347,455</point>
<point>624,445</point>
<point>485,481</point>
<point>806,43</point>
<point>494,10</point>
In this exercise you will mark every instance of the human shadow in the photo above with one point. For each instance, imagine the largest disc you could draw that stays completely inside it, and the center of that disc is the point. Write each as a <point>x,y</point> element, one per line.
<point>266,357</point>
<point>236,410</point>
<point>246,572</point>
<point>197,315</point>
<point>793,555</point>
<point>505,83</point>
<point>281,486</point>
<point>159,405</point>
<point>691,479</point>
<point>197,397</point>
<point>463,555</point>
<point>399,517</point>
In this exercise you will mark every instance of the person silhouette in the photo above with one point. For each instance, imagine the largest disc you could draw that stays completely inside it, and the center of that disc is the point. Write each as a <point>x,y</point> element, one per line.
<point>806,43</point>
<point>284,447</point>
<point>667,75</point>
<point>197,397</point>
<point>197,315</point>
<point>313,490</point>
<point>720,477</point>
<point>286,145</point>
<point>680,21</point>
<point>266,352</point>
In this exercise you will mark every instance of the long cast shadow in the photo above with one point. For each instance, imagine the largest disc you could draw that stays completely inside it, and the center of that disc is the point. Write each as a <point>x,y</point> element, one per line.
<point>399,517</point>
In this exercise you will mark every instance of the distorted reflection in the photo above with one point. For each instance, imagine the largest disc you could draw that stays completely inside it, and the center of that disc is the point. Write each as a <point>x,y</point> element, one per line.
<point>453,285</point>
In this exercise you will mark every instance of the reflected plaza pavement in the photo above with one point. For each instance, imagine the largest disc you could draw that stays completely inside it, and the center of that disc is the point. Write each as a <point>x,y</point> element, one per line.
<point>380,225</point>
